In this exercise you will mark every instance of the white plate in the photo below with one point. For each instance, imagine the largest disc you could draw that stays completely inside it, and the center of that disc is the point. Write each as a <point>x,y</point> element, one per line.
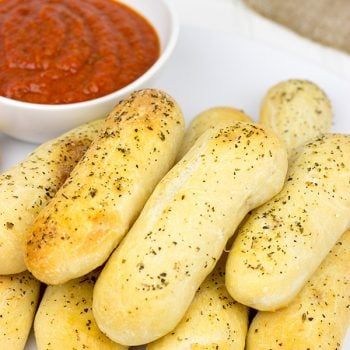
<point>212,68</point>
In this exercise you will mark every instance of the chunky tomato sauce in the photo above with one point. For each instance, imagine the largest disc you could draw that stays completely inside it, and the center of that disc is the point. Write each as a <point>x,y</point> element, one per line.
<point>65,51</point>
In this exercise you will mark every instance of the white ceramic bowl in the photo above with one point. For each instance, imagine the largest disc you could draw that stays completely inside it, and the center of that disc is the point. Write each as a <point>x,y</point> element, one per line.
<point>38,122</point>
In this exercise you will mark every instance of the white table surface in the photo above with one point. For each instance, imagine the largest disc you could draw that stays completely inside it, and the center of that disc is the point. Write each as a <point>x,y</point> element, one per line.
<point>234,16</point>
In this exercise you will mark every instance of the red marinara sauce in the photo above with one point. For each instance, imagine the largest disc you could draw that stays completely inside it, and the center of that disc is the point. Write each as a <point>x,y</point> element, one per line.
<point>66,51</point>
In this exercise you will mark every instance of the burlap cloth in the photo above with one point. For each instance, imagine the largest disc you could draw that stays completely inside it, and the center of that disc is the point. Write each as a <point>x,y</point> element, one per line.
<point>324,21</point>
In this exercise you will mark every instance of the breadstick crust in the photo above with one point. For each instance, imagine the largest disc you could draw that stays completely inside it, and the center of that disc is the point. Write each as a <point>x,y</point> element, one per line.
<point>318,317</point>
<point>65,321</point>
<point>213,321</point>
<point>151,279</point>
<point>208,119</point>
<point>283,242</point>
<point>27,188</point>
<point>297,111</point>
<point>98,203</point>
<point>19,296</point>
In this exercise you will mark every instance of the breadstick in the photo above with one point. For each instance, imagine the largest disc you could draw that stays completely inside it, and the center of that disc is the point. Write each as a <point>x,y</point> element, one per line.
<point>297,111</point>
<point>19,296</point>
<point>213,320</point>
<point>27,187</point>
<point>151,279</point>
<point>104,194</point>
<point>64,319</point>
<point>318,317</point>
<point>283,242</point>
<point>209,119</point>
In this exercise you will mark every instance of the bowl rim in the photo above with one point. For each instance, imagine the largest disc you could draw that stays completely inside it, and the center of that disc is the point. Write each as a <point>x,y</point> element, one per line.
<point>157,65</point>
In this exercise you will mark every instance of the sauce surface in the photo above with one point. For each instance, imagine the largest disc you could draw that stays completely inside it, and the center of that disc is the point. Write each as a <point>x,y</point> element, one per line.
<point>66,51</point>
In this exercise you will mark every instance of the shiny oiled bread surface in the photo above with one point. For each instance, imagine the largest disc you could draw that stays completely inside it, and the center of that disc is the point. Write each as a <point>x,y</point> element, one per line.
<point>208,119</point>
<point>64,319</point>
<point>318,317</point>
<point>27,187</point>
<point>19,296</point>
<point>151,279</point>
<point>104,194</point>
<point>297,111</point>
<point>213,320</point>
<point>282,243</point>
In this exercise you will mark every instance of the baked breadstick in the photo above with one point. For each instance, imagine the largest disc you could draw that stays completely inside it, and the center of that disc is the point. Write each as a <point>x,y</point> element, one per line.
<point>94,209</point>
<point>27,187</point>
<point>209,119</point>
<point>213,320</point>
<point>19,296</point>
<point>283,242</point>
<point>151,279</point>
<point>64,319</point>
<point>297,111</point>
<point>318,317</point>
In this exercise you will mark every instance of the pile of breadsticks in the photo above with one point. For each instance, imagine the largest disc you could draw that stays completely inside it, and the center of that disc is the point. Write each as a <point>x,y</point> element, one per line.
<point>136,250</point>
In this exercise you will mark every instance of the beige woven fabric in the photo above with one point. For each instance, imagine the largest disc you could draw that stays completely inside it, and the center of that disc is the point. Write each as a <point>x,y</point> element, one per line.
<point>325,21</point>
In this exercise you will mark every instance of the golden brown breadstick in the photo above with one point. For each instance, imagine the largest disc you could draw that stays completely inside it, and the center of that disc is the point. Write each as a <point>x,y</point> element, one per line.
<point>98,203</point>
<point>27,187</point>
